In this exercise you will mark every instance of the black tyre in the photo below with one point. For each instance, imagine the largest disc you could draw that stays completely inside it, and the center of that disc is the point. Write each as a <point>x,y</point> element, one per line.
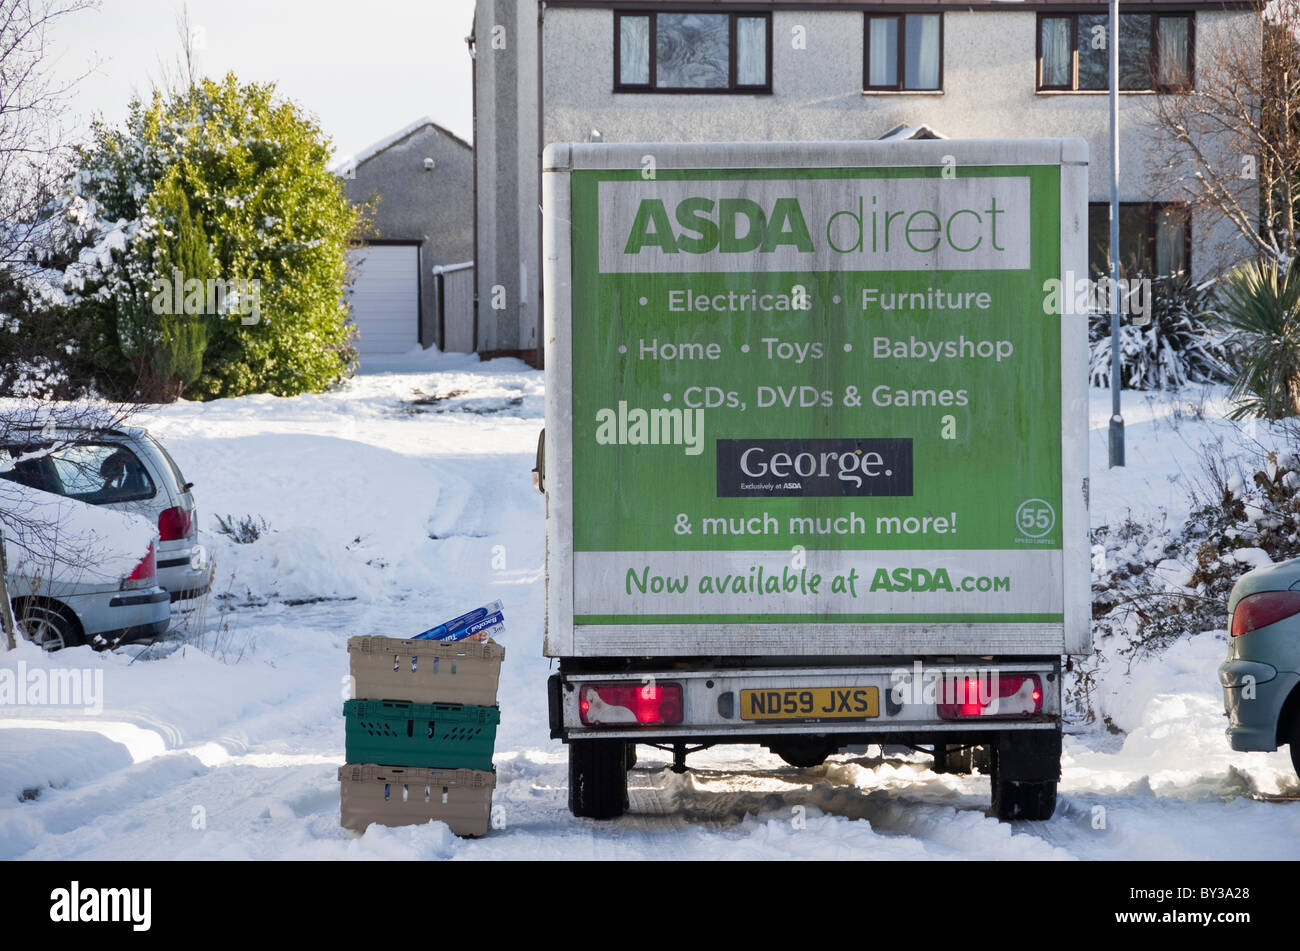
<point>953,759</point>
<point>598,778</point>
<point>1025,768</point>
<point>805,751</point>
<point>49,626</point>
<point>960,761</point>
<point>1019,800</point>
<point>1293,739</point>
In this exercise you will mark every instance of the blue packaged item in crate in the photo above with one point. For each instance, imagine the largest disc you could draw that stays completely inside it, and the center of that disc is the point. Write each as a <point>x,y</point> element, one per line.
<point>479,624</point>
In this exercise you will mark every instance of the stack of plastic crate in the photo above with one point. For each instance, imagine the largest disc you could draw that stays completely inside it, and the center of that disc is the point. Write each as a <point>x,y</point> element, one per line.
<point>420,733</point>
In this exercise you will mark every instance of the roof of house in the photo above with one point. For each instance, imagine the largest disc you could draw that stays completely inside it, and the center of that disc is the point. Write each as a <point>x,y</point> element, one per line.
<point>394,138</point>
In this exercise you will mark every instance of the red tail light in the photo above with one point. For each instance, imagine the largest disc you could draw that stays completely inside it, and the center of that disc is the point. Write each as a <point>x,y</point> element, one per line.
<point>609,704</point>
<point>996,695</point>
<point>1260,610</point>
<point>175,523</point>
<point>144,574</point>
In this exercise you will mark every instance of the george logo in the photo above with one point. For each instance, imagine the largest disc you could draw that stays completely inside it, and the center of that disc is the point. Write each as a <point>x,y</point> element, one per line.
<point>814,468</point>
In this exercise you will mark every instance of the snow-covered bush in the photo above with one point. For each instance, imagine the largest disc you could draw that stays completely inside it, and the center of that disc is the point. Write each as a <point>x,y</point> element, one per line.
<point>1152,584</point>
<point>243,530</point>
<point>250,171</point>
<point>36,356</point>
<point>1175,348</point>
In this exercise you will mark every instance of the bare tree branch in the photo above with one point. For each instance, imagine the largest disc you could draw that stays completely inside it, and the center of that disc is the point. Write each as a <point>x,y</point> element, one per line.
<point>34,164</point>
<point>1230,146</point>
<point>33,154</point>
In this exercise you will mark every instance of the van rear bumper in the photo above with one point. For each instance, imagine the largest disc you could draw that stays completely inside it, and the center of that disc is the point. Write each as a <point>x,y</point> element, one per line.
<point>712,701</point>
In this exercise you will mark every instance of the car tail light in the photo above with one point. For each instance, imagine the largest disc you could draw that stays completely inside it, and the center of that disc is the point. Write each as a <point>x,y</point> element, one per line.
<point>997,695</point>
<point>1260,610</point>
<point>144,574</point>
<point>175,523</point>
<point>607,704</point>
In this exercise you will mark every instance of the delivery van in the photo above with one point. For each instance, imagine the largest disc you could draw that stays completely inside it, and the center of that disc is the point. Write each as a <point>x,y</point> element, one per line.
<point>816,453</point>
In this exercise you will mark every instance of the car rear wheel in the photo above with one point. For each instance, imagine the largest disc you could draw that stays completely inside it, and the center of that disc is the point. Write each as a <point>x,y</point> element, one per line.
<point>48,626</point>
<point>1293,740</point>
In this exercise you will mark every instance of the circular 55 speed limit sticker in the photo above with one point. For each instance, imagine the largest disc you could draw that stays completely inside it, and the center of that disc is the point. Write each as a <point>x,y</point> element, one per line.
<point>1035,517</point>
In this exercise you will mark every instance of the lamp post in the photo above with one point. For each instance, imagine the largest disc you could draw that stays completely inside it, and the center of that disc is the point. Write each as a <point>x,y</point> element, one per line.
<point>1116,417</point>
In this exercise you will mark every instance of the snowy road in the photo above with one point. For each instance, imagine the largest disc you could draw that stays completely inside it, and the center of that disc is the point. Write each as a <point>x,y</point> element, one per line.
<point>388,510</point>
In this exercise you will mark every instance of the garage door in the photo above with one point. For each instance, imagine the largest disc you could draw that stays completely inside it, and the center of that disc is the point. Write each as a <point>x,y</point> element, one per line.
<point>386,298</point>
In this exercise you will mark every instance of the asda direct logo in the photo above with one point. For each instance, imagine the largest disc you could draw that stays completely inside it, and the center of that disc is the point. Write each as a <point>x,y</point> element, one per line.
<point>740,225</point>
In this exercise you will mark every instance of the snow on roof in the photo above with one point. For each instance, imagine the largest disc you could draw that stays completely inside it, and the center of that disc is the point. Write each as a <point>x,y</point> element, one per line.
<point>388,141</point>
<point>912,132</point>
<point>61,539</point>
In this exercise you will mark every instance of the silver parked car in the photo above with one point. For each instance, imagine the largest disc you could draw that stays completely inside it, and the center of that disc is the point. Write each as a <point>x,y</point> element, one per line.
<point>1261,677</point>
<point>77,574</point>
<point>125,469</point>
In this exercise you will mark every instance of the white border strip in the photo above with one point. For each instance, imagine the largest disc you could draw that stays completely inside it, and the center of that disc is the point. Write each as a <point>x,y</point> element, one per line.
<point>1075,541</point>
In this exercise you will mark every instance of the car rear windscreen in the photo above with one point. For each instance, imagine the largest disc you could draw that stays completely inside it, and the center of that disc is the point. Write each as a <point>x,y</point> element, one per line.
<point>96,473</point>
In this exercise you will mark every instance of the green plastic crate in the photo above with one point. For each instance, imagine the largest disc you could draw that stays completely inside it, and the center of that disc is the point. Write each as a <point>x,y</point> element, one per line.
<point>401,733</point>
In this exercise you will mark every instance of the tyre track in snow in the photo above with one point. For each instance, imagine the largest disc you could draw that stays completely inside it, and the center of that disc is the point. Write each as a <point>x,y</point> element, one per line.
<point>942,816</point>
<point>73,820</point>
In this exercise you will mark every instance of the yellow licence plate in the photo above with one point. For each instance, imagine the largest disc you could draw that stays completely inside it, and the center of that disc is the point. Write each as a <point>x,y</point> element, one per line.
<point>802,703</point>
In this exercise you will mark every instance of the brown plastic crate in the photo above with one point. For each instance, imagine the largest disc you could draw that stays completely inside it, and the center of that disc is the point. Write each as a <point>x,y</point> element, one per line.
<point>388,668</point>
<point>408,795</point>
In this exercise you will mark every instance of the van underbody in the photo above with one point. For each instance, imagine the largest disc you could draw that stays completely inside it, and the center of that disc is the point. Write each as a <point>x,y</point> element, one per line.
<point>999,715</point>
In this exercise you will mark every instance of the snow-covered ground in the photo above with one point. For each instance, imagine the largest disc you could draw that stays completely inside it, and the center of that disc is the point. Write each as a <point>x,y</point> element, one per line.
<point>386,509</point>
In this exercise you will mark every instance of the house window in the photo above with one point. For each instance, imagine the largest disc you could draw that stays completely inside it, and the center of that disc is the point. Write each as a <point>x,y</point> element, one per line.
<point>904,52</point>
<point>1155,240</point>
<point>1155,51</point>
<point>692,52</point>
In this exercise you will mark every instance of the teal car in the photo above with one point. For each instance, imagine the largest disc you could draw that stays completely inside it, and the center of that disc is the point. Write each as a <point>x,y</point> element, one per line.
<point>1261,677</point>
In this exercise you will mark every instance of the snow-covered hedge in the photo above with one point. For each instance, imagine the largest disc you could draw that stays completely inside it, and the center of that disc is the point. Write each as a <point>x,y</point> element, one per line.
<point>1154,583</point>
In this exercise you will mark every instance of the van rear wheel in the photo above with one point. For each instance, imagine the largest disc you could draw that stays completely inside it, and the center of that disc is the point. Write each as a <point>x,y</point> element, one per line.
<point>1025,768</point>
<point>598,778</point>
<point>959,760</point>
<point>1020,800</point>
